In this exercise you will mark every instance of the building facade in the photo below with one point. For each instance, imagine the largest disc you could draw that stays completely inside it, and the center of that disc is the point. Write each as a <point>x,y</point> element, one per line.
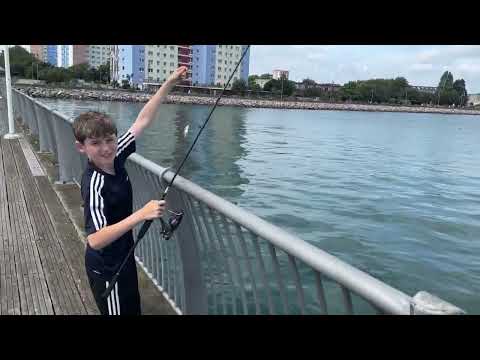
<point>207,64</point>
<point>64,55</point>
<point>226,59</point>
<point>278,74</point>
<point>213,64</point>
<point>69,55</point>
<point>39,51</point>
<point>51,54</point>
<point>203,64</point>
<point>98,55</point>
<point>127,64</point>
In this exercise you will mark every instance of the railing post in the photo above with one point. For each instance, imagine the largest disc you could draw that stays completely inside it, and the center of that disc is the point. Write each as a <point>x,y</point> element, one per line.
<point>8,88</point>
<point>194,287</point>
<point>424,303</point>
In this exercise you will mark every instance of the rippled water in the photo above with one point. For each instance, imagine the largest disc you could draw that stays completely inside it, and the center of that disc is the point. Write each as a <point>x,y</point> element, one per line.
<point>394,194</point>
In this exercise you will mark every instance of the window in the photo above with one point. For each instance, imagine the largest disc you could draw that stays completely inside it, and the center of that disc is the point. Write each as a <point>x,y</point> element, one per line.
<point>158,70</point>
<point>226,61</point>
<point>164,71</point>
<point>172,64</point>
<point>219,53</point>
<point>150,53</point>
<point>158,54</point>
<point>219,68</point>
<point>150,70</point>
<point>164,63</point>
<point>171,47</point>
<point>164,55</point>
<point>171,55</point>
<point>164,46</point>
<point>123,67</point>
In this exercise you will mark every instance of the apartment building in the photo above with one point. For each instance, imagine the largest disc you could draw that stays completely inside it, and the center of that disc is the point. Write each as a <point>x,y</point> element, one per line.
<point>69,55</point>
<point>98,55</point>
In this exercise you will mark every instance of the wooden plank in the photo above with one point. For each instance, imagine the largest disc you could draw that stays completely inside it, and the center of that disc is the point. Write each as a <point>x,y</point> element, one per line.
<point>33,271</point>
<point>26,270</point>
<point>42,302</point>
<point>49,258</point>
<point>41,288</point>
<point>3,236</point>
<point>15,294</point>
<point>73,248</point>
<point>9,288</point>
<point>70,298</point>
<point>32,161</point>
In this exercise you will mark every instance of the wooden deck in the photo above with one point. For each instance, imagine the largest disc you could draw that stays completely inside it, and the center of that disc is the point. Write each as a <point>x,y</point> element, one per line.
<point>41,266</point>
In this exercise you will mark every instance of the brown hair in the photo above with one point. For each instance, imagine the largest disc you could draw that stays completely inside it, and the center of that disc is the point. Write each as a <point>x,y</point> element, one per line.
<point>93,124</point>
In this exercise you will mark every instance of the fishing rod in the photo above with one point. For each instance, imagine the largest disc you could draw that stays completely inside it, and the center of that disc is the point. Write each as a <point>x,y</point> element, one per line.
<point>174,221</point>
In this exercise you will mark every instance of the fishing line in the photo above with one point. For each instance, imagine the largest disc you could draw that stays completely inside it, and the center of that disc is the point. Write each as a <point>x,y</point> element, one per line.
<point>175,219</point>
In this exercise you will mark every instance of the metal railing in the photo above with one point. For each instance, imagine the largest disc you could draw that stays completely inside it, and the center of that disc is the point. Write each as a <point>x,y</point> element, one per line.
<point>223,259</point>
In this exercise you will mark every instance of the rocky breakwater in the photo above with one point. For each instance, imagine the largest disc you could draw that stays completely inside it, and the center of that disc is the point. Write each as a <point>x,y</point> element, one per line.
<point>124,96</point>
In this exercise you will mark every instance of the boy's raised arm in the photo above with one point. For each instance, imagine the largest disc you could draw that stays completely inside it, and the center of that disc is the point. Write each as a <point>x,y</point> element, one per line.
<point>147,114</point>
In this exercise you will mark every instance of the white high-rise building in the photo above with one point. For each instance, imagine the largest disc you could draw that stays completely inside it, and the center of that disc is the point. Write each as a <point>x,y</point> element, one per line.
<point>98,55</point>
<point>64,55</point>
<point>226,58</point>
<point>160,62</point>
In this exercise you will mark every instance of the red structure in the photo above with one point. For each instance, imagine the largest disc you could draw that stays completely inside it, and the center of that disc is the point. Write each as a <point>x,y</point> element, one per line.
<point>185,59</point>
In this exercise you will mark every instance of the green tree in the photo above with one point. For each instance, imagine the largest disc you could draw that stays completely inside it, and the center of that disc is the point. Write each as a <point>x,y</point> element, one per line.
<point>446,81</point>
<point>239,85</point>
<point>282,86</point>
<point>104,72</point>
<point>252,85</point>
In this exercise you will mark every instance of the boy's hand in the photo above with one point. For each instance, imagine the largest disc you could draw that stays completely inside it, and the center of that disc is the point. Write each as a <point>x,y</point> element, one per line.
<point>178,75</point>
<point>153,209</point>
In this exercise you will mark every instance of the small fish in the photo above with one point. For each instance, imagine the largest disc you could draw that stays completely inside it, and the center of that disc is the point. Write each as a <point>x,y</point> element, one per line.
<point>185,131</point>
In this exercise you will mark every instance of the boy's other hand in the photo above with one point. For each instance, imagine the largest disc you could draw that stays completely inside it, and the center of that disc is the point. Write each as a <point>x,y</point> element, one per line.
<point>178,75</point>
<point>153,209</point>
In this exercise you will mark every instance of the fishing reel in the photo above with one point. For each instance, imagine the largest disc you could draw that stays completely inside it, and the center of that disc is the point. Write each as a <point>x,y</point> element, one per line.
<point>171,225</point>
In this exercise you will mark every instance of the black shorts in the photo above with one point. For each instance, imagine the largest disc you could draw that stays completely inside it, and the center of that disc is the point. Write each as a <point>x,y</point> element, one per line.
<point>124,299</point>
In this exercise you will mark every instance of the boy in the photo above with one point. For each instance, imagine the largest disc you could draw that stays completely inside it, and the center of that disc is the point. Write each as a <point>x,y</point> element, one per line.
<point>107,196</point>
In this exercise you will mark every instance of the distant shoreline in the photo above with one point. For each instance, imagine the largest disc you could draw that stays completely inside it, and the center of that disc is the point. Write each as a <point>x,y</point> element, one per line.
<point>124,96</point>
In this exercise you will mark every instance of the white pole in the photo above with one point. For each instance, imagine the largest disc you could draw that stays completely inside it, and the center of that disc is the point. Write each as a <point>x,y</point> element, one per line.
<point>11,126</point>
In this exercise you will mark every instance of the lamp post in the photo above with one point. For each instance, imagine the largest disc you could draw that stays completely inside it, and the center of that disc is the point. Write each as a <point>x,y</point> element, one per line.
<point>281,95</point>
<point>11,126</point>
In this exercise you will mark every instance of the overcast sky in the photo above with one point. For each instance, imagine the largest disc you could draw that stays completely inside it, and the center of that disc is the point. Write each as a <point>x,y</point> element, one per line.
<point>419,64</point>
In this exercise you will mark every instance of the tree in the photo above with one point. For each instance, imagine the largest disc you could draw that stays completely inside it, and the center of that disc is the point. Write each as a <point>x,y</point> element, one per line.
<point>79,71</point>
<point>239,85</point>
<point>104,72</point>
<point>308,82</point>
<point>252,85</point>
<point>446,81</point>
<point>276,86</point>
<point>461,91</point>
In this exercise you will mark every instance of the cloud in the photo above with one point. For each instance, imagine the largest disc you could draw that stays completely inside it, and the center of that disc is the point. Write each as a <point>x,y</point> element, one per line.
<point>419,64</point>
<point>421,67</point>
<point>469,67</point>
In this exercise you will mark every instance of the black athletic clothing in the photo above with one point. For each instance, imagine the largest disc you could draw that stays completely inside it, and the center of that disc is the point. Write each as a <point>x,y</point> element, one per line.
<point>108,200</point>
